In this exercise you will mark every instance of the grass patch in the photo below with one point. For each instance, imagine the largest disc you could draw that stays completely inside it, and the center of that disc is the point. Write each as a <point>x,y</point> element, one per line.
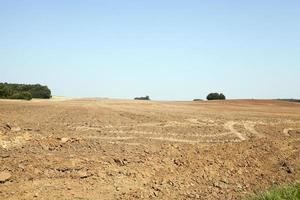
<point>289,192</point>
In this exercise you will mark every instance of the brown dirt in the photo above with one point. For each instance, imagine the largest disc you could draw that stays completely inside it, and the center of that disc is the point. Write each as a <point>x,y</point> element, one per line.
<point>118,149</point>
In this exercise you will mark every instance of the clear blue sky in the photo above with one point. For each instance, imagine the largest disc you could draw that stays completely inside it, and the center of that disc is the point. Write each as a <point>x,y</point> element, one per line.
<point>168,49</point>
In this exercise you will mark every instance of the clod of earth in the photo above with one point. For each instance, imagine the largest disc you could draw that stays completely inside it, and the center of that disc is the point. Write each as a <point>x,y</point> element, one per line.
<point>287,168</point>
<point>83,174</point>
<point>64,140</point>
<point>7,126</point>
<point>121,162</point>
<point>16,129</point>
<point>4,176</point>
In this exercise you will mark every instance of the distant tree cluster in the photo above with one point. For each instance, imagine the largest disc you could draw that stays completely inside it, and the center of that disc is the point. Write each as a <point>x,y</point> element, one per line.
<point>216,96</point>
<point>24,91</point>
<point>290,100</point>
<point>147,98</point>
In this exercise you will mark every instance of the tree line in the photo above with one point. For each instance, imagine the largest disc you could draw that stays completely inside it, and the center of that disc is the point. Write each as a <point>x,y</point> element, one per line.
<point>24,91</point>
<point>29,91</point>
<point>146,98</point>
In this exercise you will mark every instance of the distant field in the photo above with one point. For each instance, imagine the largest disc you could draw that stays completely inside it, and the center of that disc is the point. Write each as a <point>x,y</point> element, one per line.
<point>54,98</point>
<point>122,149</point>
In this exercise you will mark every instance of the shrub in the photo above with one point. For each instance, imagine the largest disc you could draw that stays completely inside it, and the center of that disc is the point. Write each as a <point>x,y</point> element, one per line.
<point>216,96</point>
<point>147,98</point>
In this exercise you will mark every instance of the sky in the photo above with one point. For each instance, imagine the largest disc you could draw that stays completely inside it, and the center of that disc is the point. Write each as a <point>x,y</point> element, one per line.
<point>167,49</point>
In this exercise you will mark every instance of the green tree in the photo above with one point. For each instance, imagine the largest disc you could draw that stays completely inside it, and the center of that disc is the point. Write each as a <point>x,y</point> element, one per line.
<point>216,96</point>
<point>222,96</point>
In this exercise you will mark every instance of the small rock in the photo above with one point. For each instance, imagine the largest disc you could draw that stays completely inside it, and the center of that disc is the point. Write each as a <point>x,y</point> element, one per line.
<point>4,176</point>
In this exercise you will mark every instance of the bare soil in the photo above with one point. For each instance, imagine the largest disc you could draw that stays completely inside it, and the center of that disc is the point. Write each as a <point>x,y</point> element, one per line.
<point>118,149</point>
